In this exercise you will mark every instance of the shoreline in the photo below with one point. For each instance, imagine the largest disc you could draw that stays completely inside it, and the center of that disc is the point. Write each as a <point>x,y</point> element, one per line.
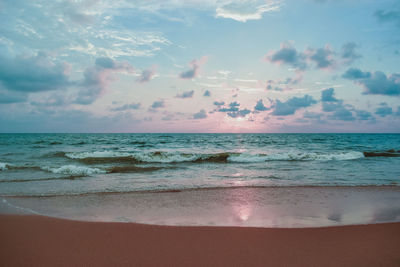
<point>394,187</point>
<point>45,241</point>
<point>284,207</point>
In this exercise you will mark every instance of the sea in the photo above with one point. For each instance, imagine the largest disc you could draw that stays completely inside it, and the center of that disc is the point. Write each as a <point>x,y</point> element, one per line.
<point>79,164</point>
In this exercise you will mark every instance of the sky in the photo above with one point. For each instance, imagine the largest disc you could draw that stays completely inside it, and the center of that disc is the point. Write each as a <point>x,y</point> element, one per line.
<point>200,66</point>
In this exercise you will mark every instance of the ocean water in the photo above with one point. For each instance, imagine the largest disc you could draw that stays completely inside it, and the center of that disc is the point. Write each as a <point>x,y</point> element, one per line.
<point>76,164</point>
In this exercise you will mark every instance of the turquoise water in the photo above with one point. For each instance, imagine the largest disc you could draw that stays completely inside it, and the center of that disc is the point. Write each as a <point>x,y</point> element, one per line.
<point>73,164</point>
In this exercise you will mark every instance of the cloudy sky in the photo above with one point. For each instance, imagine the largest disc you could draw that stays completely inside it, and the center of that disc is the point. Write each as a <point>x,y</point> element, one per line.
<point>200,66</point>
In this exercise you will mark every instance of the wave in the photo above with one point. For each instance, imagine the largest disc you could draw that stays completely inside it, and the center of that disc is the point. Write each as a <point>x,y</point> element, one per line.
<point>4,166</point>
<point>40,179</point>
<point>74,170</point>
<point>293,156</point>
<point>100,157</point>
<point>7,166</point>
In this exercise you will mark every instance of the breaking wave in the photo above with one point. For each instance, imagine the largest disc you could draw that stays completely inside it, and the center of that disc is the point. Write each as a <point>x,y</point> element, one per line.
<point>74,170</point>
<point>100,157</point>
<point>4,166</point>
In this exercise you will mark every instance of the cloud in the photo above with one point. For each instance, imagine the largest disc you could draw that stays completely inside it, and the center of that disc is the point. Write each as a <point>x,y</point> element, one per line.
<point>323,57</point>
<point>194,68</point>
<point>332,106</point>
<point>200,115</point>
<point>291,105</point>
<point>146,76</point>
<point>281,85</point>
<point>219,103</point>
<point>319,58</point>
<point>232,107</point>
<point>239,113</point>
<point>364,115</point>
<point>76,28</point>
<point>187,94</point>
<point>313,116</point>
<point>127,107</point>
<point>10,97</point>
<point>398,111</point>
<point>232,110</point>
<point>376,83</point>
<point>33,74</point>
<point>349,53</point>
<point>388,16</point>
<point>97,78</point>
<point>158,104</point>
<point>55,100</point>
<point>384,110</point>
<point>329,101</point>
<point>247,10</point>
<point>327,95</point>
<point>260,106</point>
<point>287,54</point>
<point>355,74</point>
<point>207,93</point>
<point>342,114</point>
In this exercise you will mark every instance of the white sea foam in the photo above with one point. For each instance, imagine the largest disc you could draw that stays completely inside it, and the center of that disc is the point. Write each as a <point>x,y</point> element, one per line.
<point>97,154</point>
<point>4,166</point>
<point>74,170</point>
<point>166,157</point>
<point>176,157</point>
<point>254,158</point>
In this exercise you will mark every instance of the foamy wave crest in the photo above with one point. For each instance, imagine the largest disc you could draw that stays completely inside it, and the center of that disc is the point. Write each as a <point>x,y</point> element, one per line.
<point>4,166</point>
<point>74,170</point>
<point>292,156</point>
<point>97,154</point>
<point>178,157</point>
<point>166,157</point>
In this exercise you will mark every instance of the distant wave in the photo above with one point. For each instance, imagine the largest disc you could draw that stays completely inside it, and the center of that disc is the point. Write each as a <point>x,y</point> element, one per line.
<point>293,156</point>
<point>40,179</point>
<point>99,157</point>
<point>74,170</point>
<point>8,166</point>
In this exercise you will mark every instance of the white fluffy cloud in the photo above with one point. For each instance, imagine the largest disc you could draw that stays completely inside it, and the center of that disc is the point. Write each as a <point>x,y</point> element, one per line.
<point>247,9</point>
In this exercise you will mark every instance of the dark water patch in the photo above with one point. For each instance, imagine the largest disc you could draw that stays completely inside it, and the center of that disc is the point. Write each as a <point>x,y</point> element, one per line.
<point>135,169</point>
<point>104,160</point>
<point>55,143</point>
<point>57,154</point>
<point>387,153</point>
<point>79,143</point>
<point>10,167</point>
<point>13,167</point>
<point>137,142</point>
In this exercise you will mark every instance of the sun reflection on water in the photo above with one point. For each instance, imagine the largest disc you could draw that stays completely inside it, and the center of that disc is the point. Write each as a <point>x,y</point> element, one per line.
<point>242,203</point>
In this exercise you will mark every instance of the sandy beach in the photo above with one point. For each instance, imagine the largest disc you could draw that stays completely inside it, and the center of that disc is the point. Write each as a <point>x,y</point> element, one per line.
<point>43,241</point>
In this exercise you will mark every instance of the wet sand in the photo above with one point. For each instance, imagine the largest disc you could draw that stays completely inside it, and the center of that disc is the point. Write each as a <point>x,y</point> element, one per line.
<point>28,240</point>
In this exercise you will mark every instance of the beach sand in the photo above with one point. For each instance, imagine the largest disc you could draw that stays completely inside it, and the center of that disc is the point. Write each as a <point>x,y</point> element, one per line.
<point>43,241</point>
